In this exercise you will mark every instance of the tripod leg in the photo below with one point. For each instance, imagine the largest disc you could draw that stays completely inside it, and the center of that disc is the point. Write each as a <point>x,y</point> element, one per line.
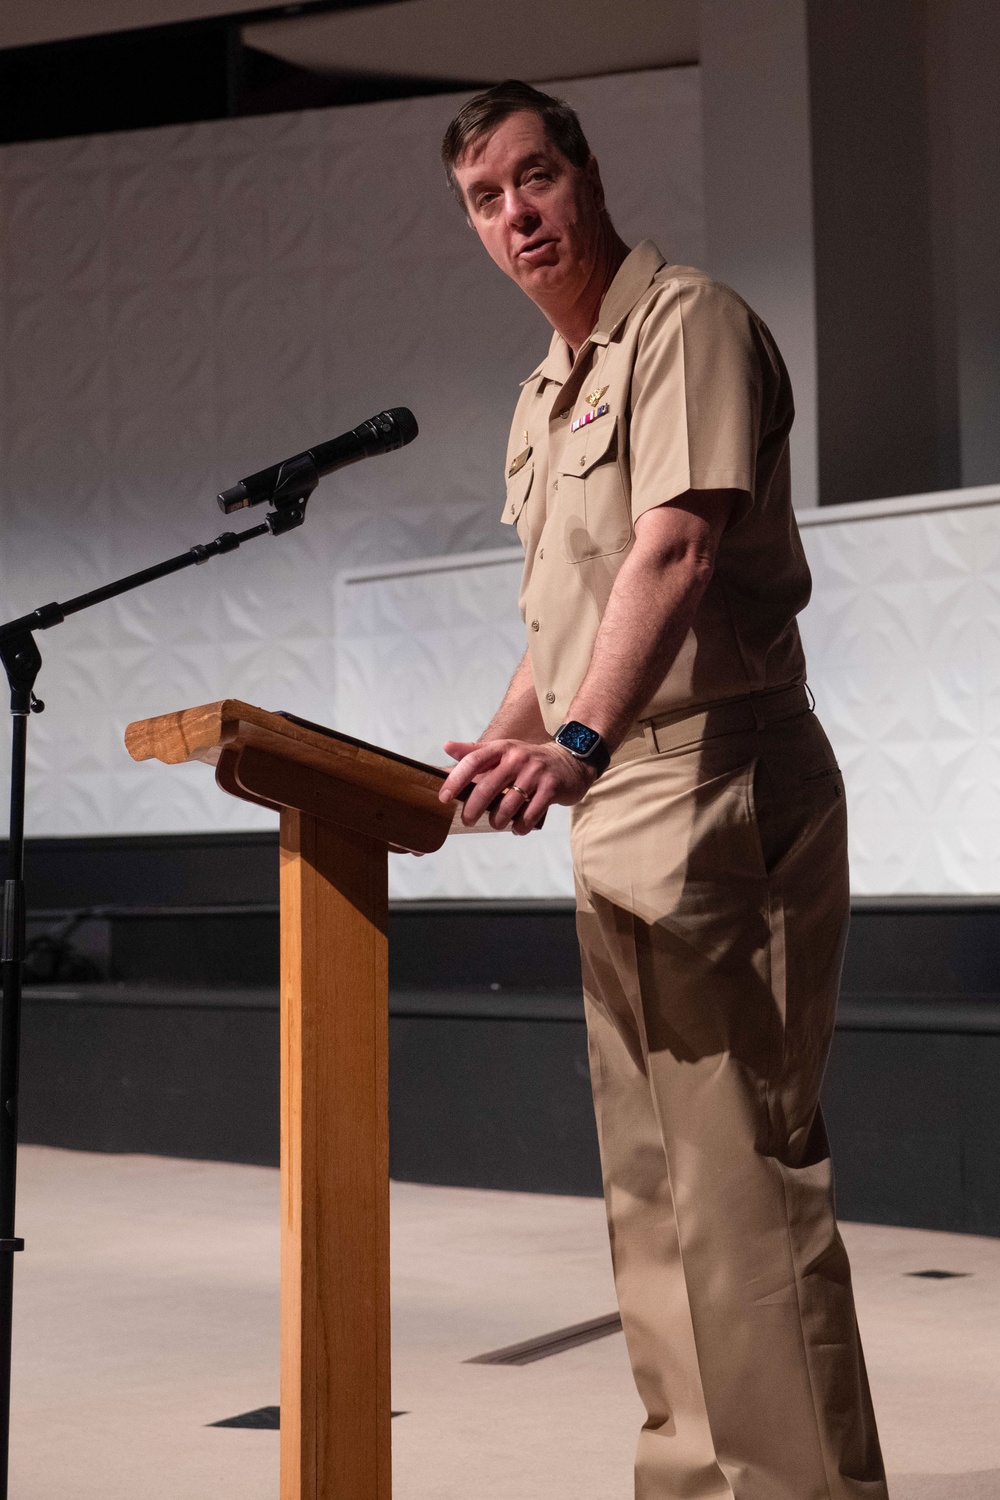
<point>21,660</point>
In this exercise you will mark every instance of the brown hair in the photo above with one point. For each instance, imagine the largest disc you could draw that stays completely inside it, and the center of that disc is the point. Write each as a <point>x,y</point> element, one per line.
<point>485,111</point>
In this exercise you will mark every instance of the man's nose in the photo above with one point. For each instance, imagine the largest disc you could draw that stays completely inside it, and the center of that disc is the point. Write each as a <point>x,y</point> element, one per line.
<point>518,210</point>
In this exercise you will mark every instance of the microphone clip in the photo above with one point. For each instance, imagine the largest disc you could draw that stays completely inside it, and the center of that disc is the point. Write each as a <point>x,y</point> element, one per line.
<point>297,478</point>
<point>285,485</point>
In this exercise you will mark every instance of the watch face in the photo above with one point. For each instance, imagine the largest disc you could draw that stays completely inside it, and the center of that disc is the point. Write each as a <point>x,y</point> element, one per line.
<point>578,738</point>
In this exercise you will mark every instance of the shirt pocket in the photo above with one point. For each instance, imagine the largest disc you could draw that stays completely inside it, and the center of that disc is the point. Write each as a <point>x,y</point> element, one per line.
<point>515,509</point>
<point>594,508</point>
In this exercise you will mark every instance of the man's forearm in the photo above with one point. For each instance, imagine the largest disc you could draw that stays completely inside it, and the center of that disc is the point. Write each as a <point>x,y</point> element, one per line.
<point>640,635</point>
<point>518,717</point>
<point>652,605</point>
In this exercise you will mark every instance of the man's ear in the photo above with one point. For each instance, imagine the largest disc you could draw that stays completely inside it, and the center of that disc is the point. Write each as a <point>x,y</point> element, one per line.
<point>593,175</point>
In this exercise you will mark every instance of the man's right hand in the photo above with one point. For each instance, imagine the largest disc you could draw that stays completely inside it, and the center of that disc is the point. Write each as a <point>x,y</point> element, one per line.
<point>523,778</point>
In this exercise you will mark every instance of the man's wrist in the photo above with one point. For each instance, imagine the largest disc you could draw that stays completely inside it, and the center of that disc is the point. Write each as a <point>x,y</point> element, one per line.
<point>585,744</point>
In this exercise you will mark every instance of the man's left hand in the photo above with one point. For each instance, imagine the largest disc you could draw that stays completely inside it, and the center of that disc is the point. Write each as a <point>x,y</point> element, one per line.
<point>525,777</point>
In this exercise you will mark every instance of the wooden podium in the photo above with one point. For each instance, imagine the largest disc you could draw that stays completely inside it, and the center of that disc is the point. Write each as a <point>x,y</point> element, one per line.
<point>342,803</point>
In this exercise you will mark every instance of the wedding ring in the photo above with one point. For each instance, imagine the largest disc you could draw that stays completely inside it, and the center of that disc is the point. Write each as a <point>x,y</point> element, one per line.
<point>515,788</point>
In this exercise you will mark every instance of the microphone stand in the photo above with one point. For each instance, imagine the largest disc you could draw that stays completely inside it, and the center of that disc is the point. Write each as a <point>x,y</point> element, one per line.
<point>22,662</point>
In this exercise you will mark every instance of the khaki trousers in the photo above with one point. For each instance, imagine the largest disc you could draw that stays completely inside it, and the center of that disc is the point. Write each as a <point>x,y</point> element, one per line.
<point>712,904</point>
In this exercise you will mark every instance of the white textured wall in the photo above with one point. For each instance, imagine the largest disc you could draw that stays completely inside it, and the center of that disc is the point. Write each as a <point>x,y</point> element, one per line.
<point>903,643</point>
<point>179,307</point>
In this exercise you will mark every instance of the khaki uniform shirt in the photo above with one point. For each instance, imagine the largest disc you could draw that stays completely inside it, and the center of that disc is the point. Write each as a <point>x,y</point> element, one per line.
<point>679,387</point>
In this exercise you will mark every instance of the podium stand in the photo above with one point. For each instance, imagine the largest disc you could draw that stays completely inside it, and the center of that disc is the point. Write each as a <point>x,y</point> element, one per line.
<point>342,803</point>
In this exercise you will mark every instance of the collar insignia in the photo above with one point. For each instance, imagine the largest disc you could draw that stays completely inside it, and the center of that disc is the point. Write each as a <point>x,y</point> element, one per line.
<point>595,396</point>
<point>519,462</point>
<point>590,416</point>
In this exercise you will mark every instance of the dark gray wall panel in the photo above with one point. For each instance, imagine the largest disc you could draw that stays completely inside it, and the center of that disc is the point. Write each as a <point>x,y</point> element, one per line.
<point>163,1073</point>
<point>492,1104</point>
<point>915,1128</point>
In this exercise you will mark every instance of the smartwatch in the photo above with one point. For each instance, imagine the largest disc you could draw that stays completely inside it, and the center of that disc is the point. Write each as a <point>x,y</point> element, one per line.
<point>586,744</point>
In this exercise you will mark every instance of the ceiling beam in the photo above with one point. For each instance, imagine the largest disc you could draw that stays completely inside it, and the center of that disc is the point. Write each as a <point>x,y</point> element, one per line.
<point>482,39</point>
<point>43,21</point>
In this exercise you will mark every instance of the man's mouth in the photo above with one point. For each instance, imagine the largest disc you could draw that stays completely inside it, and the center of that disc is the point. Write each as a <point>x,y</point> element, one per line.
<point>534,248</point>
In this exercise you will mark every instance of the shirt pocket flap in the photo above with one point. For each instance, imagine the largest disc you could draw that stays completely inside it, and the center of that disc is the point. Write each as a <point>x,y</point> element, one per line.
<point>589,446</point>
<point>517,494</point>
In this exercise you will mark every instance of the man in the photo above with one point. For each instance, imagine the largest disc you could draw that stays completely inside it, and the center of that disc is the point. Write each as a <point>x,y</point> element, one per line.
<point>662,697</point>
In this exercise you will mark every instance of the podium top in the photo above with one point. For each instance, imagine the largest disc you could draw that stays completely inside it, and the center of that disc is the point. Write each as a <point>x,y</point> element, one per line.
<point>252,746</point>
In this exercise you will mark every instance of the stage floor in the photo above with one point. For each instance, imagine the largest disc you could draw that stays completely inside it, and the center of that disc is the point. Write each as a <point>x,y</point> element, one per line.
<point>146,1308</point>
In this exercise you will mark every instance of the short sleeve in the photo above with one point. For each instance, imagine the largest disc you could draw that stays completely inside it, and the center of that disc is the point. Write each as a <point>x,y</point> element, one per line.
<point>696,396</point>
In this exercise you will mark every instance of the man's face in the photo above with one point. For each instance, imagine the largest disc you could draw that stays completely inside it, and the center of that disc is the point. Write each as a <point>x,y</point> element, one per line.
<point>538,215</point>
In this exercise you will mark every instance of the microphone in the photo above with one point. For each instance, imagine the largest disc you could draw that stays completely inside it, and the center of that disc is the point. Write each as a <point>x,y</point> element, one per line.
<point>381,434</point>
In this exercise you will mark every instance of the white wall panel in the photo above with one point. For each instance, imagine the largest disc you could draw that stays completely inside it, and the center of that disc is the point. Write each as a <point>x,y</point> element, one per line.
<point>903,643</point>
<point>179,307</point>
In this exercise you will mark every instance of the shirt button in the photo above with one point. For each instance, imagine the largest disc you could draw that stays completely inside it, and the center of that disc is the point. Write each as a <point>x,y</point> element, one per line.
<point>541,552</point>
<point>564,413</point>
<point>582,462</point>
<point>534,624</point>
<point>555,483</point>
<point>550,697</point>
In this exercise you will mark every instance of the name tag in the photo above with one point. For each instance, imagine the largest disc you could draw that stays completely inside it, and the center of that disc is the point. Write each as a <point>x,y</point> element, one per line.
<point>590,416</point>
<point>519,462</point>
